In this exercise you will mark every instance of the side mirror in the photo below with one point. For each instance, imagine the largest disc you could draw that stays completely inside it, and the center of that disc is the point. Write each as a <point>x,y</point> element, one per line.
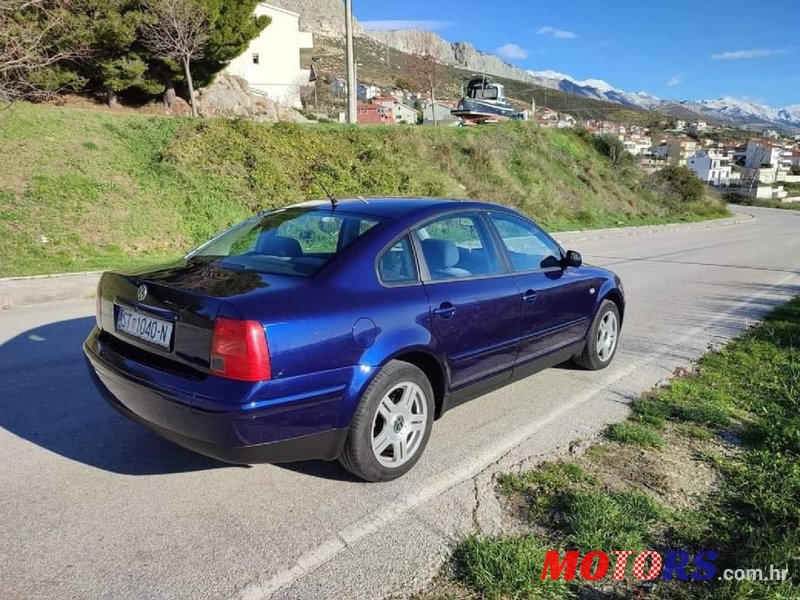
<point>574,259</point>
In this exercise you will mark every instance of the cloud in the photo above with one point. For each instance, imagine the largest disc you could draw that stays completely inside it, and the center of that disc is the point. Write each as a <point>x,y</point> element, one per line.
<point>754,53</point>
<point>512,52</point>
<point>555,33</point>
<point>394,24</point>
<point>676,79</point>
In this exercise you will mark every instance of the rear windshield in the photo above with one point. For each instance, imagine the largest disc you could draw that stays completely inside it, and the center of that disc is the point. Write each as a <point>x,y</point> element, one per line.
<point>295,241</point>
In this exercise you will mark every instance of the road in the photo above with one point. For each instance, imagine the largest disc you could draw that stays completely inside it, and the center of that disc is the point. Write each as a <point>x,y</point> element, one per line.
<point>95,507</point>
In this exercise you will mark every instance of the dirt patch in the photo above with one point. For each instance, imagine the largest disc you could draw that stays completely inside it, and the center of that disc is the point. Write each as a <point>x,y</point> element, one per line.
<point>677,475</point>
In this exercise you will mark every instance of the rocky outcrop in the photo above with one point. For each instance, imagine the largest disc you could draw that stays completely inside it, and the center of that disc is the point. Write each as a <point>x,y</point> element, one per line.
<point>230,97</point>
<point>324,17</point>
<point>460,54</point>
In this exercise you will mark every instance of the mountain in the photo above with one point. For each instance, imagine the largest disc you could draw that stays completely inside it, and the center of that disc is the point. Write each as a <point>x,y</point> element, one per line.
<point>326,18</point>
<point>725,110</point>
<point>323,17</point>
<point>458,54</point>
<point>594,88</point>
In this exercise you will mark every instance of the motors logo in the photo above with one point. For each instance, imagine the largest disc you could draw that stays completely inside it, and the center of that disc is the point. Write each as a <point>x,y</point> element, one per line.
<point>648,565</point>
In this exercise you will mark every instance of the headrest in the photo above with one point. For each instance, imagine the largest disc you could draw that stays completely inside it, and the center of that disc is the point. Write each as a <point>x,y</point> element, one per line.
<point>278,245</point>
<point>440,254</point>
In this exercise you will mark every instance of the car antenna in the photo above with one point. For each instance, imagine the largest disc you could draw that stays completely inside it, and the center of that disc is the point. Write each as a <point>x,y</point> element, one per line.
<point>331,197</point>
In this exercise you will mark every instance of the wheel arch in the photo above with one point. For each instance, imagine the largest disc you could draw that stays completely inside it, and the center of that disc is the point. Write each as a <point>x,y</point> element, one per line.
<point>615,296</point>
<point>433,369</point>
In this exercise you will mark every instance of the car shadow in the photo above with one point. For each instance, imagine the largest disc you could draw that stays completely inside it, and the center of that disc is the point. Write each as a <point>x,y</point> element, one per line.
<point>48,399</point>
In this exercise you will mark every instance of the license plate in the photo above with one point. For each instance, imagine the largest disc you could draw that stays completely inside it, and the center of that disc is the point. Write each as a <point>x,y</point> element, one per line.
<point>144,327</point>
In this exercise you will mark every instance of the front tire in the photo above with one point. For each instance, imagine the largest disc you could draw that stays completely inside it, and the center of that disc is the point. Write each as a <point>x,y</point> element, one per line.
<point>602,340</point>
<point>391,425</point>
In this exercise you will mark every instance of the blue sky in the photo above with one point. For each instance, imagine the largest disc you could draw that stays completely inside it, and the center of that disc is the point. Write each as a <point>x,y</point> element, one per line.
<point>688,50</point>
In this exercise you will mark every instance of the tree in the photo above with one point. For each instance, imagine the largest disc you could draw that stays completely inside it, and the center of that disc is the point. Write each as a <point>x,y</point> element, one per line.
<point>423,61</point>
<point>610,146</point>
<point>34,40</point>
<point>177,30</point>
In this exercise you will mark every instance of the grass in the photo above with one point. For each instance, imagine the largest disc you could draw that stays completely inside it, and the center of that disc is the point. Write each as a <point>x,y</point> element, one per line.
<point>83,189</point>
<point>634,433</point>
<point>734,423</point>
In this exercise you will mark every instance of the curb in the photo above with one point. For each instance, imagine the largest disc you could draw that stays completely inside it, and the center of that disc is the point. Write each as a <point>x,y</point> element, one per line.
<point>599,234</point>
<point>17,292</point>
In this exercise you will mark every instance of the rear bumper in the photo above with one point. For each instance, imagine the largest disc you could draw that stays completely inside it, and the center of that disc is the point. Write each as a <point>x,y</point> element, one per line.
<point>287,432</point>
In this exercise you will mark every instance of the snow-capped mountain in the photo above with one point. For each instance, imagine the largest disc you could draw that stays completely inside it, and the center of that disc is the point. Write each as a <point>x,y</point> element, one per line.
<point>594,88</point>
<point>732,110</point>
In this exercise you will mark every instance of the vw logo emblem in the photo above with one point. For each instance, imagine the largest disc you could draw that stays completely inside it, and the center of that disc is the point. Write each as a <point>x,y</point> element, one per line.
<point>141,294</point>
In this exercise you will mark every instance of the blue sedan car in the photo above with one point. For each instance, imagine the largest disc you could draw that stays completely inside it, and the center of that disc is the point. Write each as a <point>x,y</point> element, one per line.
<point>342,329</point>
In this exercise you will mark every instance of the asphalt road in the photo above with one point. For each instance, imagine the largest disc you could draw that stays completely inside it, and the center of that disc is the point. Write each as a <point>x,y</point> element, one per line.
<point>95,507</point>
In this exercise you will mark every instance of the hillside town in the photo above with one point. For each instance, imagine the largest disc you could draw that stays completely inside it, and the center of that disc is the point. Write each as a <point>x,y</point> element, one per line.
<point>280,64</point>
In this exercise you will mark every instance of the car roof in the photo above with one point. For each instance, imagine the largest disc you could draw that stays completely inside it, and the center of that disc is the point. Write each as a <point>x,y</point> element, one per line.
<point>391,207</point>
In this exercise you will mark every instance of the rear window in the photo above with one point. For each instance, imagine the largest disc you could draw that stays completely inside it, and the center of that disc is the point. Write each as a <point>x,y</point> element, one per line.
<point>293,241</point>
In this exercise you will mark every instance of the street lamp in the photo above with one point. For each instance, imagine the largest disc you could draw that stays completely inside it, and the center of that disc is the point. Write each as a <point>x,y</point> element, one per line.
<point>352,116</point>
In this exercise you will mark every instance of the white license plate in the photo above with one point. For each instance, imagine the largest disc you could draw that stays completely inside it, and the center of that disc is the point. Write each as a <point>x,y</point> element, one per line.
<point>144,327</point>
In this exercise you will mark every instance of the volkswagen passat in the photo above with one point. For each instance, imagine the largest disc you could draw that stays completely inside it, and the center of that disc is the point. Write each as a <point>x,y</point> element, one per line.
<point>343,329</point>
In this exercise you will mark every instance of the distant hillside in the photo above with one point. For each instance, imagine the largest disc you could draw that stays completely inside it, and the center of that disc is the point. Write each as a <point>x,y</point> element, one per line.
<point>383,65</point>
<point>462,55</point>
<point>86,189</point>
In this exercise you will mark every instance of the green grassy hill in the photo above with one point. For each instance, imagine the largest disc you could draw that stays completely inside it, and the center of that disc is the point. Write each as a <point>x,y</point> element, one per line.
<point>84,189</point>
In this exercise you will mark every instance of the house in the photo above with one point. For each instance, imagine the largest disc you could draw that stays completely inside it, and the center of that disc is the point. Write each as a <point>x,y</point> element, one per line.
<point>367,91</point>
<point>677,149</point>
<point>712,169</point>
<point>277,62</point>
<point>443,112</point>
<point>698,127</point>
<point>339,86</point>
<point>400,112</point>
<point>372,113</point>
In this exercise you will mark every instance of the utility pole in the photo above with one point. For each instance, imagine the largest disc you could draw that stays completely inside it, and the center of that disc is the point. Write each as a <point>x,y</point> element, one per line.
<point>352,115</point>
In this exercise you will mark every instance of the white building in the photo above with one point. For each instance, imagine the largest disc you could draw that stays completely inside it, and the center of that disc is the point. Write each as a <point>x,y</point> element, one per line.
<point>712,169</point>
<point>277,62</point>
<point>366,91</point>
<point>444,114</point>
<point>402,113</point>
<point>760,154</point>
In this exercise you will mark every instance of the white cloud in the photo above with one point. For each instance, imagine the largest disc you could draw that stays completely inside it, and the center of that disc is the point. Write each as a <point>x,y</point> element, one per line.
<point>512,52</point>
<point>556,33</point>
<point>394,24</point>
<point>676,79</point>
<point>754,53</point>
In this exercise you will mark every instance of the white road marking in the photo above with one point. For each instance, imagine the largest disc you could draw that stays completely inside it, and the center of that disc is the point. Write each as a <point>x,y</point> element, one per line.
<point>335,545</point>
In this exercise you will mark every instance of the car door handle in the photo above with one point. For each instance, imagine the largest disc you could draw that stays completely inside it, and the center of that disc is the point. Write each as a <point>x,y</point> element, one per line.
<point>529,296</point>
<point>445,310</point>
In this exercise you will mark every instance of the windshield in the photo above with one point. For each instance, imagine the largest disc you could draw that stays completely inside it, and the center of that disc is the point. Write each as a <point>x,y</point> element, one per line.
<point>294,241</point>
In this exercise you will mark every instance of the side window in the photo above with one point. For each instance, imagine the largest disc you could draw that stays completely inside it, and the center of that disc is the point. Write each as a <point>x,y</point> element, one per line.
<point>396,265</point>
<point>527,246</point>
<point>457,246</point>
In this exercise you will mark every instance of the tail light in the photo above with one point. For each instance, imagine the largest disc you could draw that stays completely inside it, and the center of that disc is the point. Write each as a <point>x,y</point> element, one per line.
<point>239,350</point>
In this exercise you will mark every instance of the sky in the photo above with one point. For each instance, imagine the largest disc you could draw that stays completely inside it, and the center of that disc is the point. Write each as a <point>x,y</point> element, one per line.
<point>679,49</point>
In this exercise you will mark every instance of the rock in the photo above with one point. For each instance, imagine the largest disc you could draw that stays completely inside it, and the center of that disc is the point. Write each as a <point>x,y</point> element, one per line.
<point>459,54</point>
<point>325,17</point>
<point>230,96</point>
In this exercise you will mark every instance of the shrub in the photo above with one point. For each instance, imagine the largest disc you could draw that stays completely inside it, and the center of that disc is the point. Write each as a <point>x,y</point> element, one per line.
<point>676,186</point>
<point>610,146</point>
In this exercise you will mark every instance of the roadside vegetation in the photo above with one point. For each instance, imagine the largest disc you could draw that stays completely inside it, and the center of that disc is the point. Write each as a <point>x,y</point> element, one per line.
<point>707,463</point>
<point>83,189</point>
<point>750,201</point>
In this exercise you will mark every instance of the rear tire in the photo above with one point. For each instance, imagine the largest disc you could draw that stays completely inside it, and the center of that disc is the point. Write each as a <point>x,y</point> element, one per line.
<point>391,425</point>
<point>602,340</point>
